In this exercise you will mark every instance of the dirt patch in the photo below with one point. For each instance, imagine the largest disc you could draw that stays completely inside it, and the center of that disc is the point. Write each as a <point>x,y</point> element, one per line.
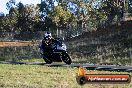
<point>16,43</point>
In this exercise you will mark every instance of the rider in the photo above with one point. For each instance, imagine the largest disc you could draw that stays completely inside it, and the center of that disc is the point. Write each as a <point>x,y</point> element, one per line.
<point>47,42</point>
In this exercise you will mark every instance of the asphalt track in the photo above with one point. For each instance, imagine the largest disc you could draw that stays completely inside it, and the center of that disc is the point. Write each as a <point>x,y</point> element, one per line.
<point>86,65</point>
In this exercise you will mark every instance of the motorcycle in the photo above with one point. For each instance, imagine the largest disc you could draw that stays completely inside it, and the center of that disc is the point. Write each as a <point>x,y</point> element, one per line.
<point>58,54</point>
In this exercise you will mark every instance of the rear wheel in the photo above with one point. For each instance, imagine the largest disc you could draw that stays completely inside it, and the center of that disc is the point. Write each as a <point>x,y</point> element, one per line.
<point>66,58</point>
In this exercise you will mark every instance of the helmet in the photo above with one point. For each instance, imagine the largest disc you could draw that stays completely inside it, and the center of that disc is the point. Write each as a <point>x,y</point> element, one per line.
<point>47,35</point>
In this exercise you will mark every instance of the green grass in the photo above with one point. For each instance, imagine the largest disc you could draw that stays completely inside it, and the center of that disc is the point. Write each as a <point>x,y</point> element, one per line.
<point>38,76</point>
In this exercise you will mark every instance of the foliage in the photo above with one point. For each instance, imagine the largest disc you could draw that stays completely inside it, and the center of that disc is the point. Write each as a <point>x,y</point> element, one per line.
<point>10,4</point>
<point>130,7</point>
<point>76,16</point>
<point>21,18</point>
<point>60,15</point>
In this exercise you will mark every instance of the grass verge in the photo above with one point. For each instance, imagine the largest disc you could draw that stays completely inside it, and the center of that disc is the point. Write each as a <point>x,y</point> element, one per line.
<point>36,76</point>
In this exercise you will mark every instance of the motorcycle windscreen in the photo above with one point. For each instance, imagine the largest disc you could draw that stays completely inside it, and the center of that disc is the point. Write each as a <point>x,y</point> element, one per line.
<point>63,47</point>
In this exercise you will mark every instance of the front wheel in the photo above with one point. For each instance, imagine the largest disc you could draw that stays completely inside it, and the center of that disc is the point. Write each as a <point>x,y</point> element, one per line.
<point>66,58</point>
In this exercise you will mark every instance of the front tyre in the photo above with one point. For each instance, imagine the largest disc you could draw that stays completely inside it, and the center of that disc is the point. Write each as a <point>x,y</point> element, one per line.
<point>66,58</point>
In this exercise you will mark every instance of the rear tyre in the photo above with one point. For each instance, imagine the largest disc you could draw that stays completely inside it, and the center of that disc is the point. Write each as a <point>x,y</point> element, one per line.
<point>66,58</point>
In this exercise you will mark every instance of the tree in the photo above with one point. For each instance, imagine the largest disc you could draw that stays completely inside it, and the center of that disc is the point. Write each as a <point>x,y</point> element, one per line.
<point>112,9</point>
<point>28,16</point>
<point>130,7</point>
<point>2,14</point>
<point>60,17</point>
<point>10,4</point>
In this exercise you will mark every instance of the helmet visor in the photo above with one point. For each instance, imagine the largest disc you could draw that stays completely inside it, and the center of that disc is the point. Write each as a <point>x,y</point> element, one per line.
<point>48,37</point>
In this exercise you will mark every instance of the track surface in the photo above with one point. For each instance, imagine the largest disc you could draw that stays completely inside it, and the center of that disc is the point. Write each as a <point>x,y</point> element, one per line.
<point>86,65</point>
